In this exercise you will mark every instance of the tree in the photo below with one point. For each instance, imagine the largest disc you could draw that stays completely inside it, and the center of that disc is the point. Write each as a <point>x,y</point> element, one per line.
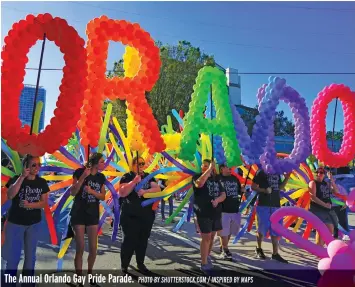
<point>282,125</point>
<point>180,65</point>
<point>337,135</point>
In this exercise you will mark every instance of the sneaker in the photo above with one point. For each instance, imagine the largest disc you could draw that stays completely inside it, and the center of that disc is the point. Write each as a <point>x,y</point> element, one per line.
<point>346,238</point>
<point>227,255</point>
<point>209,259</point>
<point>206,269</point>
<point>277,257</point>
<point>124,270</point>
<point>143,269</point>
<point>260,253</point>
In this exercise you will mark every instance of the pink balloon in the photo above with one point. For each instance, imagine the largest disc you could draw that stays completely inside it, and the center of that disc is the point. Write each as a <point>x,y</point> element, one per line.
<point>336,247</point>
<point>350,201</point>
<point>297,239</point>
<point>324,264</point>
<point>343,262</point>
<point>352,235</point>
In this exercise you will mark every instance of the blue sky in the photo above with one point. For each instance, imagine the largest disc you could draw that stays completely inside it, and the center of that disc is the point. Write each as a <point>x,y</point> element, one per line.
<point>248,36</point>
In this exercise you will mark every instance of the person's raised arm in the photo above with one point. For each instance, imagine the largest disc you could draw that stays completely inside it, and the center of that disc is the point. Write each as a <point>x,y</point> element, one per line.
<point>126,188</point>
<point>15,187</point>
<point>333,185</point>
<point>203,178</point>
<point>78,182</point>
<point>283,184</point>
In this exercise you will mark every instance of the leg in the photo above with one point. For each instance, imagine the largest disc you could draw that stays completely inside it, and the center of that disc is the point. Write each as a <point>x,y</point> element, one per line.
<point>204,247</point>
<point>79,231</point>
<point>130,236</point>
<point>171,205</point>
<point>213,234</point>
<point>31,240</point>
<point>162,208</point>
<point>144,234</point>
<point>92,236</point>
<point>226,229</point>
<point>275,245</point>
<point>259,239</point>
<point>14,237</point>
<point>206,226</point>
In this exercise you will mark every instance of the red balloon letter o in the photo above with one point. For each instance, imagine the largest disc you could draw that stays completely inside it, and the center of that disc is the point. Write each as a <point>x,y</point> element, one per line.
<point>318,131</point>
<point>20,39</point>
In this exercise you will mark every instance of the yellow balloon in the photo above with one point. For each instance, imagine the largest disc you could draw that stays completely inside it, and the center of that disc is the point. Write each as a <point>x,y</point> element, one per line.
<point>131,62</point>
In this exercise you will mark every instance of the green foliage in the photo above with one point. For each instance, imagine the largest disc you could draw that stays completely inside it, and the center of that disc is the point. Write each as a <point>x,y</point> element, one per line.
<point>282,124</point>
<point>337,135</point>
<point>180,65</point>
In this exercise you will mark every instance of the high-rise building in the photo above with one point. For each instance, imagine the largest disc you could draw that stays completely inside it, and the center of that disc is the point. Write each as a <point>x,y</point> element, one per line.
<point>26,104</point>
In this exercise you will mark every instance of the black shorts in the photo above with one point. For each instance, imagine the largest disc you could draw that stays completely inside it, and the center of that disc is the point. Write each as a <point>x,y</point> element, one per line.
<point>86,219</point>
<point>208,225</point>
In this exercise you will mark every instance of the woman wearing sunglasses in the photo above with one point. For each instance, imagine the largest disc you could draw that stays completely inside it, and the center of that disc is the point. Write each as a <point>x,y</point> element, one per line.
<point>28,193</point>
<point>321,203</point>
<point>88,189</point>
<point>136,221</point>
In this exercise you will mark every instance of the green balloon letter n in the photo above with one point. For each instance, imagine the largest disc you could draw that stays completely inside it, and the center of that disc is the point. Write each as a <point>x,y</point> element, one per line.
<point>222,125</point>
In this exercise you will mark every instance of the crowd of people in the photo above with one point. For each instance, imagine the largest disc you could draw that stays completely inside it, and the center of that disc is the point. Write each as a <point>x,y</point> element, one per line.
<point>217,197</point>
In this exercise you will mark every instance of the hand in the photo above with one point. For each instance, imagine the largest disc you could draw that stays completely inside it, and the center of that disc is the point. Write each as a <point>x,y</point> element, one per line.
<point>212,166</point>
<point>343,207</point>
<point>24,203</point>
<point>328,205</point>
<point>268,190</point>
<point>86,172</point>
<point>141,192</point>
<point>330,176</point>
<point>25,172</point>
<point>89,190</point>
<point>214,202</point>
<point>287,175</point>
<point>137,179</point>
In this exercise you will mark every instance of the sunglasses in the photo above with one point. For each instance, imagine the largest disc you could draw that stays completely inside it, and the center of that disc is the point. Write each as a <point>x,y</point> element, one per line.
<point>36,164</point>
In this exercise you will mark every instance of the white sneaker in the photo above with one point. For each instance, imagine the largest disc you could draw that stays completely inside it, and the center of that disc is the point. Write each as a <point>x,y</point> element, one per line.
<point>346,238</point>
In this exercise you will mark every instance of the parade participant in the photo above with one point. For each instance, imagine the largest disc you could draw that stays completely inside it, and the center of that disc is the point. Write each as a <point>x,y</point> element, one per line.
<point>231,217</point>
<point>88,189</point>
<point>136,221</point>
<point>321,204</point>
<point>28,194</point>
<point>208,194</point>
<point>268,186</point>
<point>162,184</point>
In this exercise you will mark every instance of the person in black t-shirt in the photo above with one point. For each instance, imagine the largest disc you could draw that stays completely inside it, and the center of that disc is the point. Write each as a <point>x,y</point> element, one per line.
<point>231,217</point>
<point>29,194</point>
<point>268,186</point>
<point>136,221</point>
<point>321,204</point>
<point>88,189</point>
<point>208,194</point>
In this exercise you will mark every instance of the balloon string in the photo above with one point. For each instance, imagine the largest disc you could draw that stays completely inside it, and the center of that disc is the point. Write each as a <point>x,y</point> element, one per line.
<point>335,115</point>
<point>37,84</point>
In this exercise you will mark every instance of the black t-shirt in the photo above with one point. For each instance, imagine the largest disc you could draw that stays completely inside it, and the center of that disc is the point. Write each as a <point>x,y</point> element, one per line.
<point>323,192</point>
<point>30,190</point>
<point>204,195</point>
<point>268,180</point>
<point>84,202</point>
<point>232,188</point>
<point>131,205</point>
